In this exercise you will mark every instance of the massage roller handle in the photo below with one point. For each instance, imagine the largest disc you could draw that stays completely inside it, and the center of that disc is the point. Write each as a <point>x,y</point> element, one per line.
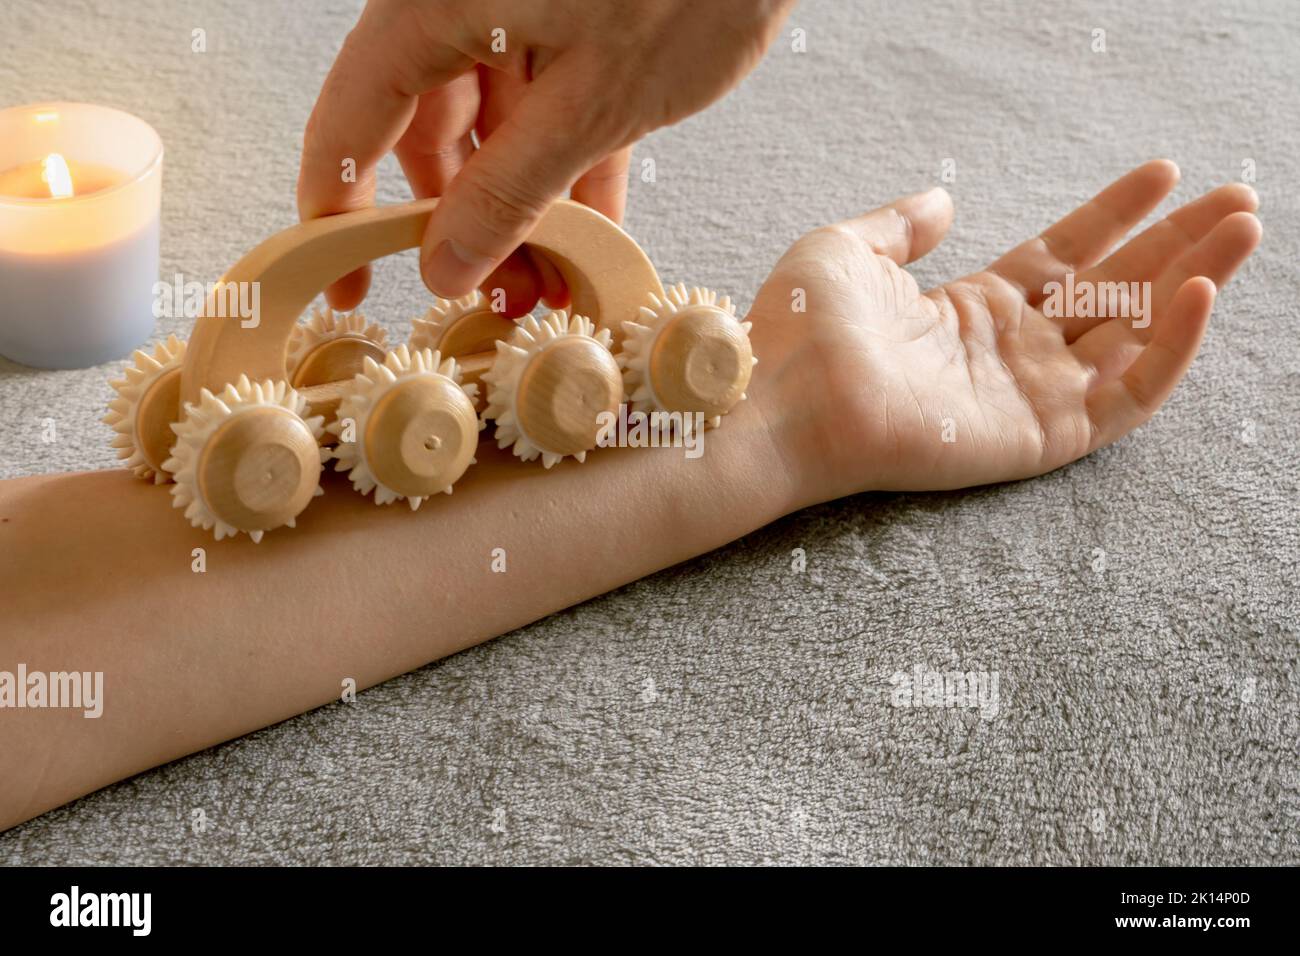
<point>609,277</point>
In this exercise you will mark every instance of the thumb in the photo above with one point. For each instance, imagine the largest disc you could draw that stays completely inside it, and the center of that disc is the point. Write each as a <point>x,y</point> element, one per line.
<point>908,228</point>
<point>505,187</point>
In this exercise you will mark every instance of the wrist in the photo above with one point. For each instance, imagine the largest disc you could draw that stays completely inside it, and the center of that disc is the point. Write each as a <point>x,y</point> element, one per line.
<point>789,473</point>
<point>802,422</point>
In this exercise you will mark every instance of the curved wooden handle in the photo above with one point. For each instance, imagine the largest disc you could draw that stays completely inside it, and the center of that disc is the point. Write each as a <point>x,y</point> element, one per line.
<point>608,275</point>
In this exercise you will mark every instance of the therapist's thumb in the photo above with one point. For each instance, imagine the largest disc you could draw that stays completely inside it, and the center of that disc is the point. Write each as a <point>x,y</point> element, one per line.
<point>496,199</point>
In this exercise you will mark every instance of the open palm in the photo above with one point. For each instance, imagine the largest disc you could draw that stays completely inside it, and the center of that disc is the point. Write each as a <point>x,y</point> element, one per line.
<point>977,380</point>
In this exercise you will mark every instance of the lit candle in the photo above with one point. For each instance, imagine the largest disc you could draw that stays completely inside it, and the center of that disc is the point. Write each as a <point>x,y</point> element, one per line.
<point>80,189</point>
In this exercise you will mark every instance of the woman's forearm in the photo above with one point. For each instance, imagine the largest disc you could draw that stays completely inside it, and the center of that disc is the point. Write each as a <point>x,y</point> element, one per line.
<point>97,573</point>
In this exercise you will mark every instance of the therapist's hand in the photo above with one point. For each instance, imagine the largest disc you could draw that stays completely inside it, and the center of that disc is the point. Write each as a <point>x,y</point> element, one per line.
<point>557,91</point>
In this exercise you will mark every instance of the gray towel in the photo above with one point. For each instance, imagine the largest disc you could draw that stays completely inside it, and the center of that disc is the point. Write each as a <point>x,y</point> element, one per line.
<point>734,709</point>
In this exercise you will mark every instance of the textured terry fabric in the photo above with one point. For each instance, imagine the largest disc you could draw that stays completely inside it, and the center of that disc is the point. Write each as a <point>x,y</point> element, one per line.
<point>733,709</point>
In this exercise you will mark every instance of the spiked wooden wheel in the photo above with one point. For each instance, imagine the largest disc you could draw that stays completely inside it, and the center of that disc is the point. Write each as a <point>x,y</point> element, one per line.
<point>248,400</point>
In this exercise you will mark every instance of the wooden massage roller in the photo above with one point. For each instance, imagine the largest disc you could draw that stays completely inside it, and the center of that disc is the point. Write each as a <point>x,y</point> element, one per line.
<point>242,418</point>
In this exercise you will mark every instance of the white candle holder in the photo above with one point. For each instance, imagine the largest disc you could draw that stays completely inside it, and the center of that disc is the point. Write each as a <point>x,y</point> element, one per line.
<point>77,274</point>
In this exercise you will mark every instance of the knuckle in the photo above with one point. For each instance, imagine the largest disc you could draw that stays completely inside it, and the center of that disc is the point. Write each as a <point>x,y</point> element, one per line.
<point>501,205</point>
<point>902,227</point>
<point>835,232</point>
<point>608,177</point>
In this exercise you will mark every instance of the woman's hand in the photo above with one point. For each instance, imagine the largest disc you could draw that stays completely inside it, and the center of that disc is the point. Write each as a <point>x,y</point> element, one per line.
<point>557,91</point>
<point>981,379</point>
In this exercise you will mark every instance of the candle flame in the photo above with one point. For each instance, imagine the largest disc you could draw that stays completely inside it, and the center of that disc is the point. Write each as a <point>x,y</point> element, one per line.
<point>55,173</point>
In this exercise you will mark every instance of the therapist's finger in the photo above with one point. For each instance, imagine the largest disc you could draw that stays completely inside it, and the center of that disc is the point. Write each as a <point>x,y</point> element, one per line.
<point>604,186</point>
<point>532,159</point>
<point>364,107</point>
<point>437,142</point>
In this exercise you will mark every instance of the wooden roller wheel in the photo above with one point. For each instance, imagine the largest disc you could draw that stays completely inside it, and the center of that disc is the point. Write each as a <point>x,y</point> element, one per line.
<point>701,362</point>
<point>335,360</point>
<point>563,391</point>
<point>259,469</point>
<point>474,333</point>
<point>421,436</point>
<point>159,407</point>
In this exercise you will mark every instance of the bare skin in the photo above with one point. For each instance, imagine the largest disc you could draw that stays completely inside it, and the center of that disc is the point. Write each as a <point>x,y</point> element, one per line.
<point>851,395</point>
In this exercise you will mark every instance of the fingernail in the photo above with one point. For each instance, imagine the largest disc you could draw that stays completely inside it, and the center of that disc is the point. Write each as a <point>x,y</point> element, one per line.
<point>453,270</point>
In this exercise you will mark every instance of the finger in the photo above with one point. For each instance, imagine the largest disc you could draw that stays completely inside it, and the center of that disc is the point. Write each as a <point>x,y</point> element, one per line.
<point>501,94</point>
<point>347,293</point>
<point>907,228</point>
<point>528,162</point>
<point>521,277</point>
<point>1217,256</point>
<point>431,151</point>
<point>604,186</point>
<point>1143,258</point>
<point>364,106</point>
<point>1107,350</point>
<point>437,142</point>
<point>1084,236</point>
<point>1121,405</point>
<point>1152,254</point>
<point>514,287</point>
<point>522,280</point>
<point>554,291</point>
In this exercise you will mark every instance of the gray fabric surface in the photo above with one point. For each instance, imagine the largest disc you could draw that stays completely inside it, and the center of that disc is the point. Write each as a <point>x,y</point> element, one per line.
<point>732,709</point>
